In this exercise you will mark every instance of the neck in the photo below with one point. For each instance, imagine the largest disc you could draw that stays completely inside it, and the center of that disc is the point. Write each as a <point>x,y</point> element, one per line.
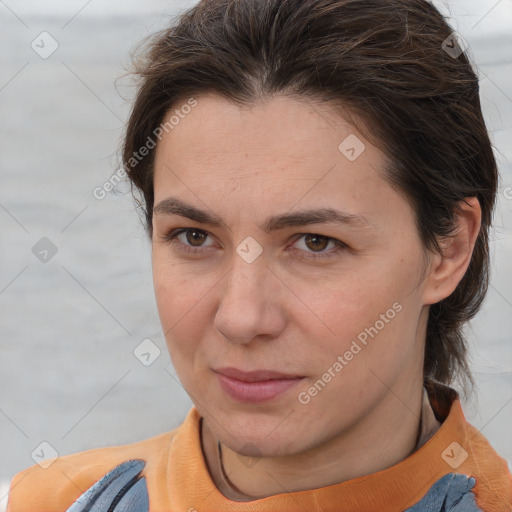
<point>380,440</point>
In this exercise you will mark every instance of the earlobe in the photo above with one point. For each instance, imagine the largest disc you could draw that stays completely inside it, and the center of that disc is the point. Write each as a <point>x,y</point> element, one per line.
<point>448,269</point>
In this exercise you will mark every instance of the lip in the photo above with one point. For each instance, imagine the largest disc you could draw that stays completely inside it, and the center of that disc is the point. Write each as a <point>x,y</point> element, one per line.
<point>255,386</point>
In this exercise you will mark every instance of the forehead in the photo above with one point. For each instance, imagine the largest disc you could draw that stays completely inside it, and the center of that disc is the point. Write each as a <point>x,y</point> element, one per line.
<point>281,151</point>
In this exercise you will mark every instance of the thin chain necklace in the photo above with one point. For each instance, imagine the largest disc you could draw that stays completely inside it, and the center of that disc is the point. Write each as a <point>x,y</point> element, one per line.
<point>225,476</point>
<point>242,494</point>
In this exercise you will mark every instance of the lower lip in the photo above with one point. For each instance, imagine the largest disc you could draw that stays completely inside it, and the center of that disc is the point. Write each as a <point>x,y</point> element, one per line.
<point>254,392</point>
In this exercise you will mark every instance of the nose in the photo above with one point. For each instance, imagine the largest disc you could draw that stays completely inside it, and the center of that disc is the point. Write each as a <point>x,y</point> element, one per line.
<point>249,305</point>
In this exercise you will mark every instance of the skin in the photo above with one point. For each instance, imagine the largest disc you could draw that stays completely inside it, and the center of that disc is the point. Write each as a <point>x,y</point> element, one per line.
<point>291,314</point>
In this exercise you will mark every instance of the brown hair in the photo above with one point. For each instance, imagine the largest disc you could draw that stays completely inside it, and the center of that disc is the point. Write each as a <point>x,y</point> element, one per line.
<point>386,61</point>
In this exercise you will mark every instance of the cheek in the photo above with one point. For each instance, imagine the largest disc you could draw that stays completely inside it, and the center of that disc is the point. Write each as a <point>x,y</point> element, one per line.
<point>177,288</point>
<point>180,300</point>
<point>362,314</point>
<point>344,305</point>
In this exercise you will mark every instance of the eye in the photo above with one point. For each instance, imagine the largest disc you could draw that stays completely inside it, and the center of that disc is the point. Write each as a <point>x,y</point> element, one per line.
<point>192,241</point>
<point>315,244</point>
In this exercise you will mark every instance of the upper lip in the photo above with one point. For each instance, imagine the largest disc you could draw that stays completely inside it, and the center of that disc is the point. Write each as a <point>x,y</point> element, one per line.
<point>255,375</point>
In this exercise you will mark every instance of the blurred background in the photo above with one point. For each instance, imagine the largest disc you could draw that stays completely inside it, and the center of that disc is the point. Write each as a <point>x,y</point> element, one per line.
<point>83,362</point>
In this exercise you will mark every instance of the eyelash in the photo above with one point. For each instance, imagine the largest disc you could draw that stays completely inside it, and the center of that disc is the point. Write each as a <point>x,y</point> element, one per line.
<point>171,238</point>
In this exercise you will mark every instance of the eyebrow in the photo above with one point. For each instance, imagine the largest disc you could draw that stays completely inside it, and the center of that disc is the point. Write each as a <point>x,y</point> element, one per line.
<point>174,206</point>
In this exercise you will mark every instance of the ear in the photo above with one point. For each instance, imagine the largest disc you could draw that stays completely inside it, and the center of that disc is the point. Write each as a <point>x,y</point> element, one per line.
<point>448,269</point>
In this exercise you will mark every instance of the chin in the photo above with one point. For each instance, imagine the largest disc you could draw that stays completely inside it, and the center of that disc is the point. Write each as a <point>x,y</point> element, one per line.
<point>258,443</point>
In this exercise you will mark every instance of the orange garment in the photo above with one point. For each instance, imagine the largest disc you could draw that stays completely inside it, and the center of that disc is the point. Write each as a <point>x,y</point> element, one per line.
<point>178,480</point>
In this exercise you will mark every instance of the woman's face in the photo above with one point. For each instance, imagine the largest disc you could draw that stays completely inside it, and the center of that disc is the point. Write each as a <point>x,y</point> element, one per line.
<point>261,282</point>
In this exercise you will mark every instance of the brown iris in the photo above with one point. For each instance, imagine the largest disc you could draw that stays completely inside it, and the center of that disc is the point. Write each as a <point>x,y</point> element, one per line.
<point>323,241</point>
<point>195,235</point>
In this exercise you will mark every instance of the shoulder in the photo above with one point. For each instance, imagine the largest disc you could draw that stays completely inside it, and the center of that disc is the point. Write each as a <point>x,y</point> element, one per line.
<point>493,476</point>
<point>55,484</point>
<point>474,470</point>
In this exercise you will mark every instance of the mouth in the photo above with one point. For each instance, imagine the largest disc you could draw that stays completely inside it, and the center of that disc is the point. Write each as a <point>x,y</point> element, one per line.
<point>255,386</point>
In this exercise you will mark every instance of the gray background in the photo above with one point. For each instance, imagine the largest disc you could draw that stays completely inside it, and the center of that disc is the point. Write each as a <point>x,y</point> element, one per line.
<point>69,326</point>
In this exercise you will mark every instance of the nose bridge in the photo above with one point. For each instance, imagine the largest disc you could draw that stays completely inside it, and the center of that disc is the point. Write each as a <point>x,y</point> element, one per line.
<point>247,275</point>
<point>243,311</point>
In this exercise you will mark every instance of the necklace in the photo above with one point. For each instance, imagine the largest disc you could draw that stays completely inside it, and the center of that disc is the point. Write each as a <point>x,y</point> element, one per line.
<point>225,476</point>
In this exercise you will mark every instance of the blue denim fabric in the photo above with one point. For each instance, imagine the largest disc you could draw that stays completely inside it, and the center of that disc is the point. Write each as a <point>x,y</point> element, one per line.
<point>451,493</point>
<point>120,490</point>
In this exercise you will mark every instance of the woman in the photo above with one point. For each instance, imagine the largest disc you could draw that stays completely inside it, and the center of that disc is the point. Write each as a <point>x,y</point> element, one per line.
<point>318,185</point>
